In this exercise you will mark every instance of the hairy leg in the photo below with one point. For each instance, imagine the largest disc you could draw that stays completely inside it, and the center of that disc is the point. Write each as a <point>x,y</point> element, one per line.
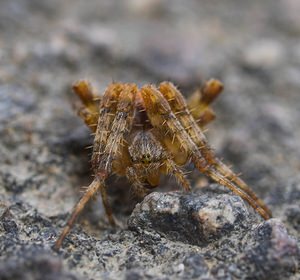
<point>179,107</point>
<point>162,118</point>
<point>121,125</point>
<point>110,147</point>
<point>171,143</point>
<point>136,180</point>
<point>170,167</point>
<point>108,108</point>
<point>89,112</point>
<point>108,105</point>
<point>90,192</point>
<point>114,122</point>
<point>198,103</point>
<point>87,94</point>
<point>106,205</point>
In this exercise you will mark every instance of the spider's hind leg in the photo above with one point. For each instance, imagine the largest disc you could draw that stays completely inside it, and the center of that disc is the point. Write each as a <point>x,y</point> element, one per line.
<point>87,94</point>
<point>89,112</point>
<point>199,102</point>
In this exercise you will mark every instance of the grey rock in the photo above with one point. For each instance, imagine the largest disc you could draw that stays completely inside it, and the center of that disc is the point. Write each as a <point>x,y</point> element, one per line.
<point>273,254</point>
<point>293,216</point>
<point>197,218</point>
<point>35,264</point>
<point>204,218</point>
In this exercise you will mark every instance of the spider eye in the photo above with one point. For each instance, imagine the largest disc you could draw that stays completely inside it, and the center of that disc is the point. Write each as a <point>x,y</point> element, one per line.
<point>146,158</point>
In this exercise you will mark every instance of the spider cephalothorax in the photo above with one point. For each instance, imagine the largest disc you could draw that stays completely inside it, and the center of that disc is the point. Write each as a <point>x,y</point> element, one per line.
<point>143,133</point>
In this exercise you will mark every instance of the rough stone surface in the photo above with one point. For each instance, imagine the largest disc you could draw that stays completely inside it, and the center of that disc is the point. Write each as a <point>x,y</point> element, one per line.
<point>33,264</point>
<point>198,218</point>
<point>252,46</point>
<point>272,253</point>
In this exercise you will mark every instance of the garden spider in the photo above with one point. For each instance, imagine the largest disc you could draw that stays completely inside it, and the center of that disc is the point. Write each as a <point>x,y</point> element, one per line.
<point>143,132</point>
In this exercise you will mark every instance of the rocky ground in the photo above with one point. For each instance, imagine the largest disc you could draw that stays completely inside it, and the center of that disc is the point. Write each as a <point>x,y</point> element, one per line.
<point>252,46</point>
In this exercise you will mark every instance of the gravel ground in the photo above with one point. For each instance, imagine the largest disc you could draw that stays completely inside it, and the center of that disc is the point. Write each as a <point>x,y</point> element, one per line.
<point>253,47</point>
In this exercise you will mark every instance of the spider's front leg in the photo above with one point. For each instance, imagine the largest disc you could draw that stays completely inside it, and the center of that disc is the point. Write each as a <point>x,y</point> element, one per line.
<point>170,167</point>
<point>162,118</point>
<point>179,107</point>
<point>115,119</point>
<point>89,193</point>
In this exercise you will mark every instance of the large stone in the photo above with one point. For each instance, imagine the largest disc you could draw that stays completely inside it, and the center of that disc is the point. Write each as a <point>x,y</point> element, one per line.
<point>195,218</point>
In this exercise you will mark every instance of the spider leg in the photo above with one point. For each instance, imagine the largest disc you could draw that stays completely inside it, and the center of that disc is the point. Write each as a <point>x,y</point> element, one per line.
<point>170,167</point>
<point>108,108</point>
<point>206,117</point>
<point>135,179</point>
<point>256,204</point>
<point>173,145</point>
<point>114,116</point>
<point>87,94</point>
<point>228,173</point>
<point>89,112</point>
<point>179,107</point>
<point>106,205</point>
<point>107,148</point>
<point>121,124</point>
<point>90,192</point>
<point>199,101</point>
<point>88,117</point>
<point>162,117</point>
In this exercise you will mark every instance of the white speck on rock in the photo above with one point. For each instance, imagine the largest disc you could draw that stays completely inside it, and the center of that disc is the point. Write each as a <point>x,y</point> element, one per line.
<point>210,216</point>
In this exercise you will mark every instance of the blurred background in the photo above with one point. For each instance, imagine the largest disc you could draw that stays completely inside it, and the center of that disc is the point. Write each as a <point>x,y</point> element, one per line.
<point>253,47</point>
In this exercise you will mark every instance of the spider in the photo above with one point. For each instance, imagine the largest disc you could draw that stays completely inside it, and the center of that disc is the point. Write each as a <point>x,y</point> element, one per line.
<point>142,133</point>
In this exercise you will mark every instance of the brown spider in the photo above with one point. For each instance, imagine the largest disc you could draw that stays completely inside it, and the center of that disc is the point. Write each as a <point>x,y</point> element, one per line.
<point>141,133</point>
